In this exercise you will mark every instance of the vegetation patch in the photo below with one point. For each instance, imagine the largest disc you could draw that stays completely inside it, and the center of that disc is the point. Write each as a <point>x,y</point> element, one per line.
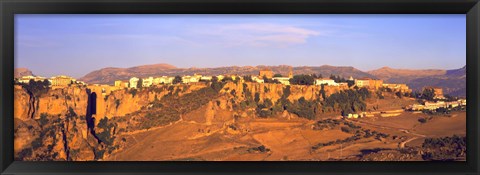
<point>445,148</point>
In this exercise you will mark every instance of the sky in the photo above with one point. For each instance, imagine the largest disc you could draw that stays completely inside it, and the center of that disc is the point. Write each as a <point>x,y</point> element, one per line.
<point>75,45</point>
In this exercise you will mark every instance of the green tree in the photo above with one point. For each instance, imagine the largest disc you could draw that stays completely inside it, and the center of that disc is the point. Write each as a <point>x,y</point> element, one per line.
<point>214,79</point>
<point>399,94</point>
<point>226,79</point>
<point>277,75</point>
<point>140,83</point>
<point>428,94</point>
<point>268,103</point>
<point>177,80</point>
<point>37,88</point>
<point>217,86</point>
<point>248,78</point>
<point>257,97</point>
<point>302,80</point>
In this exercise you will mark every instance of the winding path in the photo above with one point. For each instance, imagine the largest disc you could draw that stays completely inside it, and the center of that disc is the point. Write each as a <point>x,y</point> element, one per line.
<point>401,144</point>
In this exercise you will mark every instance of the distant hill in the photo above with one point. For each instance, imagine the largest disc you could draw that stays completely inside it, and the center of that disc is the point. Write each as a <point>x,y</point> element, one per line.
<point>453,81</point>
<point>109,75</point>
<point>20,72</point>
<point>404,75</point>
<point>462,72</point>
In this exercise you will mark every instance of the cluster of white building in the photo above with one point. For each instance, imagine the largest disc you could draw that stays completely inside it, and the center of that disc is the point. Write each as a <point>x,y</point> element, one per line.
<point>329,82</point>
<point>260,78</point>
<point>435,105</point>
<point>56,81</point>
<point>152,81</point>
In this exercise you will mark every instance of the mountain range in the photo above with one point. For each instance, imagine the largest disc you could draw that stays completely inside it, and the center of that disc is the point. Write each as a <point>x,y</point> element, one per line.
<point>453,81</point>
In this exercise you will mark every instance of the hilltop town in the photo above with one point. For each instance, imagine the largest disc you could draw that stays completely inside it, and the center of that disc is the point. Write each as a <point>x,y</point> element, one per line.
<point>264,76</point>
<point>233,117</point>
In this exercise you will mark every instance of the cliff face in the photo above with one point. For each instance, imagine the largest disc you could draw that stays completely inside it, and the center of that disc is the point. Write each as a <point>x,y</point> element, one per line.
<point>123,102</point>
<point>53,126</point>
<point>58,124</point>
<point>117,103</point>
<point>275,91</point>
<point>83,123</point>
<point>55,102</point>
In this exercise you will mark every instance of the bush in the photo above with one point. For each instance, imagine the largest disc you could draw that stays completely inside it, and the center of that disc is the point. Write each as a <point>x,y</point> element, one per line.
<point>99,154</point>
<point>445,148</point>
<point>37,143</point>
<point>422,120</point>
<point>263,113</point>
<point>117,103</point>
<point>43,119</point>
<point>25,153</point>
<point>133,92</point>
<point>302,80</point>
<point>257,97</point>
<point>348,101</point>
<point>37,88</point>
<point>303,108</point>
<point>217,86</point>
<point>105,136</point>
<point>345,129</point>
<point>266,89</point>
<point>71,113</point>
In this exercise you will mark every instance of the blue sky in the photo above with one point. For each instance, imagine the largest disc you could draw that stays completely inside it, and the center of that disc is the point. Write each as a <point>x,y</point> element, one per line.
<point>78,44</point>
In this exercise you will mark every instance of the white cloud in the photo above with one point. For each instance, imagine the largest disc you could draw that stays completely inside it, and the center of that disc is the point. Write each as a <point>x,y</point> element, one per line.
<point>259,34</point>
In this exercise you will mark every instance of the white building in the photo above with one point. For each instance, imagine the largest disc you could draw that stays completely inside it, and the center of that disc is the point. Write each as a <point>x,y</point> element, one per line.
<point>133,82</point>
<point>220,77</point>
<point>326,81</point>
<point>26,79</point>
<point>257,79</point>
<point>283,80</point>
<point>206,78</point>
<point>190,79</point>
<point>163,80</point>
<point>62,80</point>
<point>147,82</point>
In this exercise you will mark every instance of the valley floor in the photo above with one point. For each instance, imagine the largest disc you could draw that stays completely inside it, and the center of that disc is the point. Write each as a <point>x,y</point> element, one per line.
<point>280,138</point>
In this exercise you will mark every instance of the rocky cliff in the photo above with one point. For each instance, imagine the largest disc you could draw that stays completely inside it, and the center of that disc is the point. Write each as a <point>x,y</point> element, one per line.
<point>85,123</point>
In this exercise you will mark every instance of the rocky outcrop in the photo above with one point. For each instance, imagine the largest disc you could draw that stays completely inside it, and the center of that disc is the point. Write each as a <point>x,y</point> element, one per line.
<point>20,72</point>
<point>55,102</point>
<point>275,91</point>
<point>123,102</point>
<point>82,123</point>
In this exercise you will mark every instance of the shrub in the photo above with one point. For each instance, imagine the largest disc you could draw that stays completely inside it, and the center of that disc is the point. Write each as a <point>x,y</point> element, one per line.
<point>133,92</point>
<point>27,152</point>
<point>99,154</point>
<point>302,80</point>
<point>266,89</point>
<point>345,129</point>
<point>107,127</point>
<point>37,143</point>
<point>303,108</point>
<point>257,97</point>
<point>43,119</point>
<point>117,103</point>
<point>422,120</point>
<point>444,148</point>
<point>37,88</point>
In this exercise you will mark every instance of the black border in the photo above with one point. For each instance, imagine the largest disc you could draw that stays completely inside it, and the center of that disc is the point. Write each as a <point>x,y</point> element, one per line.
<point>10,7</point>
